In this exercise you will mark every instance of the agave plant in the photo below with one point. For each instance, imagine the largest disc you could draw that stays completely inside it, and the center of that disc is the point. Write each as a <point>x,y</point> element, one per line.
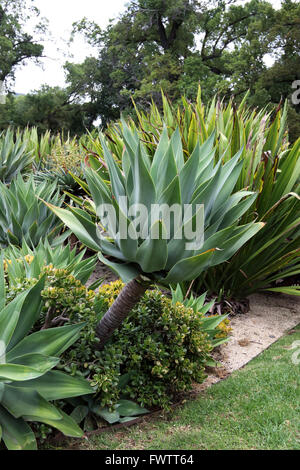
<point>167,179</point>
<point>23,215</point>
<point>14,156</point>
<point>39,145</point>
<point>271,167</point>
<point>63,179</point>
<point>26,262</point>
<point>27,382</point>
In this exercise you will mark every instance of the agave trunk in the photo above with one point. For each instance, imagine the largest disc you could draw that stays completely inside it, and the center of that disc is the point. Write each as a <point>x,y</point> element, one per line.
<point>122,306</point>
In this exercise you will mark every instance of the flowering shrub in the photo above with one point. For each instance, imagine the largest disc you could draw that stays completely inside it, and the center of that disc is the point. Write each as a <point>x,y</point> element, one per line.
<point>160,350</point>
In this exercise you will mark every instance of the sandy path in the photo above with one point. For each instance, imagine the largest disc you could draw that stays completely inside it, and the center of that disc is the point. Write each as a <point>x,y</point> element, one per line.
<point>269,318</point>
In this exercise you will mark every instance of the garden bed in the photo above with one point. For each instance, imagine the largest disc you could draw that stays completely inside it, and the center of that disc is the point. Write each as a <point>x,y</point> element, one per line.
<point>269,318</point>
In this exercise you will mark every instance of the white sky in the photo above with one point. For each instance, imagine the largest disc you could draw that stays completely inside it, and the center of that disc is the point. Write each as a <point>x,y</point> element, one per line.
<point>61,15</point>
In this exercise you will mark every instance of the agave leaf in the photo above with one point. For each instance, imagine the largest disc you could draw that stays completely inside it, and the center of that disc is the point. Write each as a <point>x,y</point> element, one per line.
<point>125,271</point>
<point>29,313</point>
<point>190,268</point>
<point>23,401</point>
<point>56,385</point>
<point>9,317</point>
<point>79,228</point>
<point>53,342</point>
<point>16,434</point>
<point>66,424</point>
<point>153,252</point>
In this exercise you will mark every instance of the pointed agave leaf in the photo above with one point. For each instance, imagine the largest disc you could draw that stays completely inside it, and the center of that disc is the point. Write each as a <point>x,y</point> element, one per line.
<point>66,424</point>
<point>129,408</point>
<point>188,175</point>
<point>292,290</point>
<point>144,190</point>
<point>167,170</point>
<point>81,230</point>
<point>23,401</point>
<point>79,413</point>
<point>55,385</point>
<point>16,434</point>
<point>190,268</point>
<point>125,271</point>
<point>126,238</point>
<point>179,247</point>
<point>30,312</point>
<point>160,152</point>
<point>152,254</point>
<point>236,212</point>
<point>52,342</point>
<point>9,317</point>
<point>116,177</point>
<point>177,149</point>
<point>2,283</point>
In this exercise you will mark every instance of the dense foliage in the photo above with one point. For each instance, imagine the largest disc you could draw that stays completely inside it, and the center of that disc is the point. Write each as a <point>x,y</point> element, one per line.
<point>270,166</point>
<point>229,46</point>
<point>160,350</point>
<point>28,384</point>
<point>23,213</point>
<point>16,44</point>
<point>72,356</point>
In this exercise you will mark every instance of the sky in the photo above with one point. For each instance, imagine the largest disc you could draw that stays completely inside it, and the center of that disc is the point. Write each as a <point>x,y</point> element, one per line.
<point>61,15</point>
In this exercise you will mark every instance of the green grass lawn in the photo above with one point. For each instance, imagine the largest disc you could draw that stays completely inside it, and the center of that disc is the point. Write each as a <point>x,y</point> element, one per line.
<point>257,407</point>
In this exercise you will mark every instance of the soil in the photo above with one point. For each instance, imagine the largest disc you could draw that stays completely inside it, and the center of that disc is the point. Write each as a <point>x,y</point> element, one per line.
<point>102,272</point>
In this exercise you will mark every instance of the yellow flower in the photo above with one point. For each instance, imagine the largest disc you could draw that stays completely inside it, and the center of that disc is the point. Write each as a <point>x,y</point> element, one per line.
<point>29,258</point>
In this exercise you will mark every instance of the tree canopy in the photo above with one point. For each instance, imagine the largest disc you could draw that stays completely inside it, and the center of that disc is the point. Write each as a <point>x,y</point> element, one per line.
<point>168,45</point>
<point>16,44</point>
<point>173,45</point>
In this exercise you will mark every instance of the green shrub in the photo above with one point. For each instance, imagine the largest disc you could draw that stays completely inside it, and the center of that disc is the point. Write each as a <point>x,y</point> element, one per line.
<point>159,351</point>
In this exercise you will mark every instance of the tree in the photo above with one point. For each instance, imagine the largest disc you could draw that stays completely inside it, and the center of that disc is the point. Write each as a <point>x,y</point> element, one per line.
<point>48,108</point>
<point>17,45</point>
<point>275,83</point>
<point>172,45</point>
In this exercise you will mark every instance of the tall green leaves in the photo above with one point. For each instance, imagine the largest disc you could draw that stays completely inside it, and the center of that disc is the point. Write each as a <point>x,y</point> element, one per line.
<point>14,156</point>
<point>24,216</point>
<point>147,198</point>
<point>27,382</point>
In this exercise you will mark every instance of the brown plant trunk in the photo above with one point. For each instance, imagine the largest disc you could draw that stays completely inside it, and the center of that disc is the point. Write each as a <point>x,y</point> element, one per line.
<point>119,310</point>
